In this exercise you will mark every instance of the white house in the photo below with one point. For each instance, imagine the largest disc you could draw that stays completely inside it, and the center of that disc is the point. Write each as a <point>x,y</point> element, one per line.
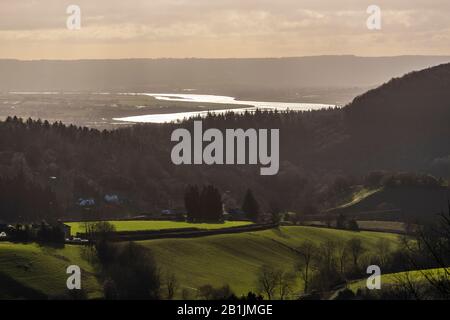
<point>86,202</point>
<point>111,198</point>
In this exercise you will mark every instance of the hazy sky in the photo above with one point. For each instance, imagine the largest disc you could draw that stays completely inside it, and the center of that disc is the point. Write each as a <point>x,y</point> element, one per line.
<point>36,29</point>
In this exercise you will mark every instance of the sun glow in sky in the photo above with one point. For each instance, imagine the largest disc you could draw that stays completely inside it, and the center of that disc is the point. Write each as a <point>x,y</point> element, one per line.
<point>36,29</point>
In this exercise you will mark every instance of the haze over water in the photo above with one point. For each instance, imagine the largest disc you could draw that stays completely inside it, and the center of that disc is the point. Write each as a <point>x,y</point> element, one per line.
<point>198,98</point>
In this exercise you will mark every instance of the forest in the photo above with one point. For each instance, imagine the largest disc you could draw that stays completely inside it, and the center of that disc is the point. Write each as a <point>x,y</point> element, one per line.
<point>394,128</point>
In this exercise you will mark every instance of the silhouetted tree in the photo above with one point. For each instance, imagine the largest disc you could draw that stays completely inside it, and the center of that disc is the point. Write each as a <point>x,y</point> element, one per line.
<point>341,222</point>
<point>355,249</point>
<point>134,272</point>
<point>304,266</point>
<point>267,280</point>
<point>250,206</point>
<point>192,203</point>
<point>205,206</point>
<point>352,225</point>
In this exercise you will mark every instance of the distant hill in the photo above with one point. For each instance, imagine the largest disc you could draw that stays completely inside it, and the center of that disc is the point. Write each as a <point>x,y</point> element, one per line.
<point>227,75</point>
<point>401,125</point>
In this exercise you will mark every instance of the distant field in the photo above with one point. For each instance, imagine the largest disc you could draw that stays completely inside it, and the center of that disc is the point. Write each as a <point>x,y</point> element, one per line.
<point>143,225</point>
<point>43,269</point>
<point>392,226</point>
<point>393,278</point>
<point>370,225</point>
<point>235,259</point>
<point>359,196</point>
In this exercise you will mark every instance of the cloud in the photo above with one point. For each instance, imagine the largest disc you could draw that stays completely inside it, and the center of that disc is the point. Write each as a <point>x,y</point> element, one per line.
<point>236,27</point>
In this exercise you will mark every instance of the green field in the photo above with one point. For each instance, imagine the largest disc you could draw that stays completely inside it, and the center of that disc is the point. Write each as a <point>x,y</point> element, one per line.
<point>143,225</point>
<point>394,278</point>
<point>386,226</point>
<point>43,269</point>
<point>234,259</point>
<point>359,196</point>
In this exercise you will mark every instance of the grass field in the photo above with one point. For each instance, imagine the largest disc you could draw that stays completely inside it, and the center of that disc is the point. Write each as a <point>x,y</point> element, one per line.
<point>369,225</point>
<point>392,226</point>
<point>232,259</point>
<point>393,278</point>
<point>141,225</point>
<point>360,195</point>
<point>43,269</point>
<point>235,259</point>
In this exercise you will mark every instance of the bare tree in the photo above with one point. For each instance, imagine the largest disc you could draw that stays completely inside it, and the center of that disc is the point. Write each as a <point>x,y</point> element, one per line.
<point>383,250</point>
<point>306,253</point>
<point>356,250</point>
<point>327,255</point>
<point>268,280</point>
<point>327,270</point>
<point>342,254</point>
<point>406,286</point>
<point>171,285</point>
<point>431,248</point>
<point>285,284</point>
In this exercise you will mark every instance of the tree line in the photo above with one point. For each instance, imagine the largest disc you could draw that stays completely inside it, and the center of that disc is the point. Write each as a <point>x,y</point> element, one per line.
<point>134,162</point>
<point>206,205</point>
<point>203,205</point>
<point>25,200</point>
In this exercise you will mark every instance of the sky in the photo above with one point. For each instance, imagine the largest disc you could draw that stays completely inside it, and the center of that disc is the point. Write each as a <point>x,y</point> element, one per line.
<point>113,29</point>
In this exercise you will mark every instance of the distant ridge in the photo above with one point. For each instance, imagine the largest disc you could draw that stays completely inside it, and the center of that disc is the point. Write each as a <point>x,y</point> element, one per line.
<point>207,74</point>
